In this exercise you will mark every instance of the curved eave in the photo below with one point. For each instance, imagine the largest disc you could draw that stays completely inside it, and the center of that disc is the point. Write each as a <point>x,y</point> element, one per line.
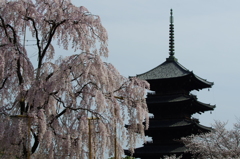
<point>203,81</point>
<point>178,123</point>
<point>176,99</point>
<point>167,99</point>
<point>156,124</point>
<point>188,81</point>
<point>205,128</point>
<point>157,150</point>
<point>206,107</point>
<point>165,70</point>
<point>159,124</point>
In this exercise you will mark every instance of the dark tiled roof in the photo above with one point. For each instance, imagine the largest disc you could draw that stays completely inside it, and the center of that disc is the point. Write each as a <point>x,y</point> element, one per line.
<point>176,123</point>
<point>179,98</point>
<point>168,123</point>
<point>158,149</point>
<point>167,99</point>
<point>170,69</point>
<point>165,70</point>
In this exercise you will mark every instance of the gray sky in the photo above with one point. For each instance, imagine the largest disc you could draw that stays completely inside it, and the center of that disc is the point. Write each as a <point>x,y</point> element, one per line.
<point>207,40</point>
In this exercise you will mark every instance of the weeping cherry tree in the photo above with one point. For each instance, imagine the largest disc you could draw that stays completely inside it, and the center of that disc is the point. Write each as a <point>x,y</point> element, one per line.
<point>62,107</point>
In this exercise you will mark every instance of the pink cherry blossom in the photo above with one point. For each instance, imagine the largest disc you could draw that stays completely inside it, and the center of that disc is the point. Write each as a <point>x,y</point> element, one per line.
<point>47,105</point>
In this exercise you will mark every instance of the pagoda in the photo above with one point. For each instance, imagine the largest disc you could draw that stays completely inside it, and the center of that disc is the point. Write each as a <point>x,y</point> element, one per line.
<point>172,106</point>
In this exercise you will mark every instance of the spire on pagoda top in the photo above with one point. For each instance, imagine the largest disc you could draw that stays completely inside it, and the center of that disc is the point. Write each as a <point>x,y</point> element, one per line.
<point>171,39</point>
<point>172,69</point>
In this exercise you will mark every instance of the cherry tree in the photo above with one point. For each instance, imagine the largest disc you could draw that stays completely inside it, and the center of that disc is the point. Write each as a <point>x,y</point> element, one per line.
<point>66,107</point>
<point>218,144</point>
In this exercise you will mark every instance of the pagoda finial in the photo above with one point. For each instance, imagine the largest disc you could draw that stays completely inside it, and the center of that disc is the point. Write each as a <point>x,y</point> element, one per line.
<point>171,17</point>
<point>171,35</point>
<point>171,39</point>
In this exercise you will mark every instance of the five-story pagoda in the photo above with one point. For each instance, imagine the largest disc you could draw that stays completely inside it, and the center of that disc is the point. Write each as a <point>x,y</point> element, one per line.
<point>172,106</point>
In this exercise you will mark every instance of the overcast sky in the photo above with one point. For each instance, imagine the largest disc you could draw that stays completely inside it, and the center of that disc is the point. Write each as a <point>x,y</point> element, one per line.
<point>207,40</point>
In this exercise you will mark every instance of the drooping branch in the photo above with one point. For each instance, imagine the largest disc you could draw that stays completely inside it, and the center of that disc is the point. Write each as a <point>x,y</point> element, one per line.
<point>36,35</point>
<point>36,142</point>
<point>85,85</point>
<point>14,34</point>
<point>60,114</point>
<point>51,34</point>
<point>4,81</point>
<point>20,78</point>
<point>13,39</point>
<point>4,27</point>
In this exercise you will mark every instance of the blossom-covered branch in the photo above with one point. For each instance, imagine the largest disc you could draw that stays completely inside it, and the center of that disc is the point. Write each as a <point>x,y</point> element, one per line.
<point>47,105</point>
<point>220,143</point>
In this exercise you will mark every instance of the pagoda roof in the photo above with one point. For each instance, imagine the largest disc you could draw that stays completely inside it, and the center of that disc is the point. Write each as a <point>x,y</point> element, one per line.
<point>177,123</point>
<point>174,123</point>
<point>170,69</point>
<point>157,150</point>
<point>169,98</point>
<point>179,98</point>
